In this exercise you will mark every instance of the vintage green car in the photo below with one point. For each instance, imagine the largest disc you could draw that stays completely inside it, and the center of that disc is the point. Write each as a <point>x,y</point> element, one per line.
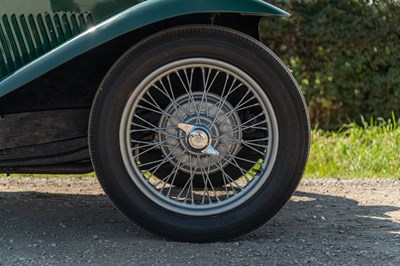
<point>196,131</point>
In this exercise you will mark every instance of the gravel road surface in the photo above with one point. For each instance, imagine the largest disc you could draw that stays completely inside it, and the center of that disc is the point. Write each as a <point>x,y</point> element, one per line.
<point>63,221</point>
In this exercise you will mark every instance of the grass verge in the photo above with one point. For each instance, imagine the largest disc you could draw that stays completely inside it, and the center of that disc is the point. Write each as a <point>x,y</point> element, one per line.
<point>368,151</point>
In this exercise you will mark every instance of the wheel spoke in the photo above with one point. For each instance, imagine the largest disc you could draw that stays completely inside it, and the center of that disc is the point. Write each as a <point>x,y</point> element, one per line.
<point>173,179</point>
<point>188,89</point>
<point>189,182</point>
<point>207,88</point>
<point>148,123</point>
<point>172,99</point>
<point>165,180</point>
<point>235,164</point>
<point>231,90</point>
<point>158,162</point>
<point>229,178</point>
<point>239,158</point>
<point>151,143</point>
<point>248,143</point>
<point>155,130</point>
<point>152,147</point>
<point>247,107</point>
<point>168,116</point>
<point>207,180</point>
<point>240,127</point>
<point>239,106</point>
<point>155,105</point>
<point>154,169</point>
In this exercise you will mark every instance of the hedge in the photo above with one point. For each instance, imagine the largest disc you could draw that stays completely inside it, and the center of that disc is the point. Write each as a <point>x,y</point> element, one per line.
<point>345,54</point>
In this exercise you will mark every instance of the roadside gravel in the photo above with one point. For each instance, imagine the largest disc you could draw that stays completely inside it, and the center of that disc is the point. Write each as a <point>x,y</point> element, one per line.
<point>65,221</point>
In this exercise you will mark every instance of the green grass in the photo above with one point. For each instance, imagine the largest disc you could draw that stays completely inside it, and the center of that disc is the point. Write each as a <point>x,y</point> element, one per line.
<point>367,151</point>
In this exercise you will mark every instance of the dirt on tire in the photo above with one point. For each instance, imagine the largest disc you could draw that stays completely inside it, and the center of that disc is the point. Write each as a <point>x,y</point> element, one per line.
<point>69,221</point>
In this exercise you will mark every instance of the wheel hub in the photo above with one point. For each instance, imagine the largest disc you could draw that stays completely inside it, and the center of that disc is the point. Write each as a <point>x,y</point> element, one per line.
<point>204,131</point>
<point>198,139</point>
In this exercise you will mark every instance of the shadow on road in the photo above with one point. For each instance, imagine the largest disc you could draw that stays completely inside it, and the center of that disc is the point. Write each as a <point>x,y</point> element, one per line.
<point>86,228</point>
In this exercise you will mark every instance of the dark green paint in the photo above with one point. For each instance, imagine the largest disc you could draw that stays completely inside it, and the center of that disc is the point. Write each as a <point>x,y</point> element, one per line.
<point>100,9</point>
<point>22,43</point>
<point>59,30</point>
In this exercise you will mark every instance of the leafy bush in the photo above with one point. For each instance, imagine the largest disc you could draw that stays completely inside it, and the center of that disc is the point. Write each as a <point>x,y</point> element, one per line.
<point>344,54</point>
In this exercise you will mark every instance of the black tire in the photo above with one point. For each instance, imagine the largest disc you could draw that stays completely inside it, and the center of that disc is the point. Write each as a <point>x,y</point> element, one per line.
<point>270,184</point>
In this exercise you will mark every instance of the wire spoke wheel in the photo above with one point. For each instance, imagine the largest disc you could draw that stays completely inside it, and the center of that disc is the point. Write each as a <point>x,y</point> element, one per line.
<point>199,133</point>
<point>204,112</point>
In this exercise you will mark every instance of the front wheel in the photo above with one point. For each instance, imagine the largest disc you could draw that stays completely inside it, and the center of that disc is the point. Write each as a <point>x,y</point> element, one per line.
<point>199,133</point>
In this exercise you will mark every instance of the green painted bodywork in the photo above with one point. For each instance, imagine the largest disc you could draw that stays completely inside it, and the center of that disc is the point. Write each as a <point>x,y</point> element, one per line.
<point>37,36</point>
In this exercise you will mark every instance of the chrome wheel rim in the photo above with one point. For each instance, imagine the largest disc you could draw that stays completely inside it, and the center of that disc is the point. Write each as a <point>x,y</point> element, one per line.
<point>197,119</point>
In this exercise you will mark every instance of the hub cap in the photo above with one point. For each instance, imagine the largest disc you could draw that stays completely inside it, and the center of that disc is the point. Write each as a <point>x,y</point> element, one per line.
<point>198,139</point>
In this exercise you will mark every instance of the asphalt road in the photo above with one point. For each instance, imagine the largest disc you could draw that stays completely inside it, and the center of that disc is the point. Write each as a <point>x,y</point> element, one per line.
<point>70,222</point>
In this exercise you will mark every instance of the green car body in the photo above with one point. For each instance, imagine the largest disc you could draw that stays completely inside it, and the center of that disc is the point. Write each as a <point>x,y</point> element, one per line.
<point>36,37</point>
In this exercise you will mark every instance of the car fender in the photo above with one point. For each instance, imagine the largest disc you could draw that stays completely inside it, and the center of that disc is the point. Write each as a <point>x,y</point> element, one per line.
<point>133,18</point>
